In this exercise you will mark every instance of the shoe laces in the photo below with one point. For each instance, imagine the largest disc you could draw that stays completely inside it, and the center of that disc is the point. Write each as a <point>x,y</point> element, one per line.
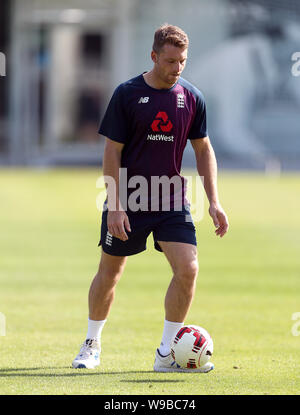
<point>88,347</point>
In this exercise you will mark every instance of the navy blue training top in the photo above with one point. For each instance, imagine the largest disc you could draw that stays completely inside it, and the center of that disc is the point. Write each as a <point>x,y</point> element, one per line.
<point>154,125</point>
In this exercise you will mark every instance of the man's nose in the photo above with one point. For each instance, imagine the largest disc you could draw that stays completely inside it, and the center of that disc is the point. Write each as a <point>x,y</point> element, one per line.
<point>177,67</point>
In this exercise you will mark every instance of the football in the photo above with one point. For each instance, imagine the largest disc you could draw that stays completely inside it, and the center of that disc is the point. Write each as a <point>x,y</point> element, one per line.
<point>192,347</point>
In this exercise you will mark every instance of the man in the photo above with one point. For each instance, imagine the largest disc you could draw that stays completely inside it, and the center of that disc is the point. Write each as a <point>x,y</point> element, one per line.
<point>146,125</point>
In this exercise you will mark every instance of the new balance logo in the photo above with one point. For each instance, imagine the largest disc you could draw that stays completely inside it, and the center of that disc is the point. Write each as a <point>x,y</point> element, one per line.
<point>180,101</point>
<point>144,100</point>
<point>108,239</point>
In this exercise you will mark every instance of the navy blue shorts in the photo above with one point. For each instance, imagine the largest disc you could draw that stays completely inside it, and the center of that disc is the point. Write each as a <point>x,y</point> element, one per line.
<point>174,226</point>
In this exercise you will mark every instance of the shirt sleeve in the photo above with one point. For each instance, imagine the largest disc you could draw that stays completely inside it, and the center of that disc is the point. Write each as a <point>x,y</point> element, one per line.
<point>114,123</point>
<point>199,126</point>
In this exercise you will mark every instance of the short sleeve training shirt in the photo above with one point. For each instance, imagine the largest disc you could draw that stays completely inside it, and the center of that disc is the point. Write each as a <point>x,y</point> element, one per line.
<point>154,125</point>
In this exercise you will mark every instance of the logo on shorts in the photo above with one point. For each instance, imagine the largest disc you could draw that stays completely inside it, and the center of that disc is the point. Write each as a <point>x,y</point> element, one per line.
<point>162,123</point>
<point>108,239</point>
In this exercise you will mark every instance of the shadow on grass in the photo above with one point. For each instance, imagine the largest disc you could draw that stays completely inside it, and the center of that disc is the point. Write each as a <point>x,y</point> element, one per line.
<point>152,380</point>
<point>19,372</point>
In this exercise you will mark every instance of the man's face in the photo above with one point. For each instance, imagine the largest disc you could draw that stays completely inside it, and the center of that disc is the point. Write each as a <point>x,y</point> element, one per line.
<point>169,63</point>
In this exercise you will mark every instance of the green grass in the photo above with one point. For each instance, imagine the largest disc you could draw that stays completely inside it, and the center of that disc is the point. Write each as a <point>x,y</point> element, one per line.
<point>248,289</point>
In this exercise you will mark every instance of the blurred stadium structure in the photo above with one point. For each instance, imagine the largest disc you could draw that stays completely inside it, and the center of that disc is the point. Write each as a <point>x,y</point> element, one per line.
<point>64,59</point>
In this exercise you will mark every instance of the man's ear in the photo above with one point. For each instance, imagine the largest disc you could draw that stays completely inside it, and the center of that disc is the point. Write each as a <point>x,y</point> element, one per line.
<point>154,56</point>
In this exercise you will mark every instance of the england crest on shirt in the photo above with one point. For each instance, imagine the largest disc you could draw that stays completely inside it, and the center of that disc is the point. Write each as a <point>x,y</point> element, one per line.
<point>180,100</point>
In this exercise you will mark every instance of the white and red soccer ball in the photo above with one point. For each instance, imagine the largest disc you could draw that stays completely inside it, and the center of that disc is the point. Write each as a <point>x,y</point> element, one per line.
<point>192,347</point>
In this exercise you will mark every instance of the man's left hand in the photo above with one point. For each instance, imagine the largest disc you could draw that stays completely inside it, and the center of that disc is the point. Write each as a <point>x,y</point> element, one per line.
<point>219,218</point>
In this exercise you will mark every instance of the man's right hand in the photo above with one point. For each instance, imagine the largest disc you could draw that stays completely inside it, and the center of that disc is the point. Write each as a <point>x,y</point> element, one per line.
<point>118,224</point>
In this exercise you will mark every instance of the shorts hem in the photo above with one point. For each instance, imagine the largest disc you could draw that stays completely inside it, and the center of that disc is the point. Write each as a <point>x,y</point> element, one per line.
<point>107,251</point>
<point>157,246</point>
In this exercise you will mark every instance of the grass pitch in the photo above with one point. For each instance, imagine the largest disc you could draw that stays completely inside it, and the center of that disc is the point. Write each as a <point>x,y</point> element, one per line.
<point>247,291</point>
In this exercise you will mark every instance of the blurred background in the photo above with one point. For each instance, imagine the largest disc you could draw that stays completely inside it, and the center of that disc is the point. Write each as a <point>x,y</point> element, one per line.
<point>64,59</point>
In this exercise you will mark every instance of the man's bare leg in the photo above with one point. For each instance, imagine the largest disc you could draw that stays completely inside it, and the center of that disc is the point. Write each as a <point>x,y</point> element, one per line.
<point>101,296</point>
<point>102,290</point>
<point>183,260</point>
<point>184,263</point>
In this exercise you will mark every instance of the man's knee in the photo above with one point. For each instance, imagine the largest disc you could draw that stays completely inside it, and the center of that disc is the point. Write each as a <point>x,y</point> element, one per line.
<point>111,262</point>
<point>187,272</point>
<point>111,268</point>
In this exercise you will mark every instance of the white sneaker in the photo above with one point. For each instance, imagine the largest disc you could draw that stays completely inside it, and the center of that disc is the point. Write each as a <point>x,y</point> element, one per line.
<point>89,355</point>
<point>168,364</point>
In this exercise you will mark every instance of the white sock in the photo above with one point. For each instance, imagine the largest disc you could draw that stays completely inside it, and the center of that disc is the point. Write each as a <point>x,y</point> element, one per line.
<point>95,329</point>
<point>170,330</point>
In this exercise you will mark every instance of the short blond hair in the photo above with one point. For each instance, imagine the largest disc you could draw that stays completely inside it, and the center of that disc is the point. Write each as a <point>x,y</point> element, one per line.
<point>173,35</point>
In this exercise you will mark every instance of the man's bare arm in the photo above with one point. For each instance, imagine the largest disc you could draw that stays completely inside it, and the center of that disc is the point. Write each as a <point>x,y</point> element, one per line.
<point>207,168</point>
<point>117,220</point>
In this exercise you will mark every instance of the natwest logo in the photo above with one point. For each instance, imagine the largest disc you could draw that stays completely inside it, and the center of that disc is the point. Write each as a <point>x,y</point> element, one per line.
<point>162,123</point>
